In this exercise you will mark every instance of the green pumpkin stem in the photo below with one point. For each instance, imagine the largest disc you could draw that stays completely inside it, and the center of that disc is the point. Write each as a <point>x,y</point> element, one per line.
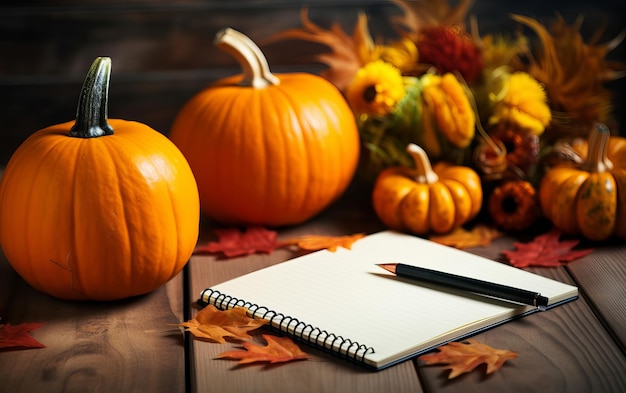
<point>256,71</point>
<point>92,112</point>
<point>424,172</point>
<point>597,160</point>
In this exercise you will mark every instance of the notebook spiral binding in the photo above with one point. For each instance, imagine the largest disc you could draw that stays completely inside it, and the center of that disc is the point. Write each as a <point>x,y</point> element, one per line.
<point>292,327</point>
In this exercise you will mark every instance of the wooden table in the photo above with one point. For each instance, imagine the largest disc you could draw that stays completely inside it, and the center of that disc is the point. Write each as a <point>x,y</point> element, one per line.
<point>131,345</point>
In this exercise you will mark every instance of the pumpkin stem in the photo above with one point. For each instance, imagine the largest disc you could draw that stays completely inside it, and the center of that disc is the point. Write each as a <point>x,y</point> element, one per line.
<point>423,170</point>
<point>597,160</point>
<point>92,112</point>
<point>256,71</point>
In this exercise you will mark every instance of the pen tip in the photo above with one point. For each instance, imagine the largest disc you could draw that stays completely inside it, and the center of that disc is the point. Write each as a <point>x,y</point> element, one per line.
<point>390,267</point>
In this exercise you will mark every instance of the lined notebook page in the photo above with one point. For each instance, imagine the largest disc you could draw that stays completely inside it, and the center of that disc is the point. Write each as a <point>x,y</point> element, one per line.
<point>345,293</point>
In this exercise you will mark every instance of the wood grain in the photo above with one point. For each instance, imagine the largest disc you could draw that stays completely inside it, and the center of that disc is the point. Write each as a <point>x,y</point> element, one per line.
<point>123,346</point>
<point>162,55</point>
<point>603,277</point>
<point>565,349</point>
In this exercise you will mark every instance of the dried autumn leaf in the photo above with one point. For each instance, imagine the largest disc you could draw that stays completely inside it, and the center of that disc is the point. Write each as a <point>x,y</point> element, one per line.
<point>233,242</point>
<point>319,242</point>
<point>464,357</point>
<point>573,73</point>
<point>420,14</point>
<point>545,251</point>
<point>480,235</point>
<point>344,58</point>
<point>277,350</point>
<point>215,325</point>
<point>18,336</point>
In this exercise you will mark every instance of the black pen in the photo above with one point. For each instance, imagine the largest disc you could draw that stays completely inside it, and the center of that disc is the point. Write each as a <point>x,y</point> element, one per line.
<point>480,287</point>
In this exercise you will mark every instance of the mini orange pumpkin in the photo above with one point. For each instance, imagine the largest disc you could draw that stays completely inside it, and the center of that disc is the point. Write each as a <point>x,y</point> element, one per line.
<point>589,199</point>
<point>98,209</point>
<point>267,149</point>
<point>423,200</point>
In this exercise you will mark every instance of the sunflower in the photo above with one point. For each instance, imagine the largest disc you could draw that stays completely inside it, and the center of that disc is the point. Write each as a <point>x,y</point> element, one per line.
<point>376,89</point>
<point>402,54</point>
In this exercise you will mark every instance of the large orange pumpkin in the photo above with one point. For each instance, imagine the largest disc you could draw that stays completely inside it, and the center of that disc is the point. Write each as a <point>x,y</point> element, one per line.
<point>98,209</point>
<point>267,149</point>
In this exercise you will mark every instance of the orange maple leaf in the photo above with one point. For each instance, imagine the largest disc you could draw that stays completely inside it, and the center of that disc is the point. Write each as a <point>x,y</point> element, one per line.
<point>277,350</point>
<point>464,357</point>
<point>320,242</point>
<point>214,325</point>
<point>480,235</point>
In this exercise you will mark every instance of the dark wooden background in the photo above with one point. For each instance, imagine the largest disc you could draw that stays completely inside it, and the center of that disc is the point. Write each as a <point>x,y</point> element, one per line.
<point>162,51</point>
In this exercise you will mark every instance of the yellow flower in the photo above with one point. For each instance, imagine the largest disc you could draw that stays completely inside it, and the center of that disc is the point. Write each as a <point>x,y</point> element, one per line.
<point>446,99</point>
<point>402,54</point>
<point>523,106</point>
<point>376,89</point>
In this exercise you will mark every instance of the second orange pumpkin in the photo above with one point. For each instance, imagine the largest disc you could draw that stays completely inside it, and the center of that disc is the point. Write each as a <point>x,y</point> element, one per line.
<point>267,149</point>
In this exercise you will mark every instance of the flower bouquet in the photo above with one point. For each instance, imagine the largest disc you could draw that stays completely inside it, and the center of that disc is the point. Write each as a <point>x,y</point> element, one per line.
<point>499,105</point>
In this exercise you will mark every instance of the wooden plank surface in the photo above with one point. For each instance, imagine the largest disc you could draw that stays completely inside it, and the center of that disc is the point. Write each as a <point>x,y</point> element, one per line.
<point>603,277</point>
<point>122,346</point>
<point>162,55</point>
<point>565,349</point>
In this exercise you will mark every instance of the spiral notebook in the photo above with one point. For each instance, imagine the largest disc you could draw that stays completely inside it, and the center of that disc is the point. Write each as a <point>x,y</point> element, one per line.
<point>343,303</point>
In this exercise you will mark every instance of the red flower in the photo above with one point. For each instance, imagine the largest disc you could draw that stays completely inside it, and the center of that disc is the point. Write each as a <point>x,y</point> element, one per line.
<point>450,49</point>
<point>513,205</point>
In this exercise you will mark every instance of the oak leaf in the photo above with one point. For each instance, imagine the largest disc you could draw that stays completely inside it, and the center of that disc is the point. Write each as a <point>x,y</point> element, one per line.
<point>215,325</point>
<point>545,250</point>
<point>277,350</point>
<point>320,242</point>
<point>233,242</point>
<point>480,235</point>
<point>18,336</point>
<point>464,357</point>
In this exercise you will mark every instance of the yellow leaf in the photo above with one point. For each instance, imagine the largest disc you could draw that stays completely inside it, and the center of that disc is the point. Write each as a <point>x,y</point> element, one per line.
<point>214,325</point>
<point>480,235</point>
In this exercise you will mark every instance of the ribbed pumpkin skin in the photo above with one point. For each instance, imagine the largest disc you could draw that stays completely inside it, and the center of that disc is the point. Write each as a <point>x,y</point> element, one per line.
<point>425,200</point>
<point>98,218</point>
<point>272,156</point>
<point>583,200</point>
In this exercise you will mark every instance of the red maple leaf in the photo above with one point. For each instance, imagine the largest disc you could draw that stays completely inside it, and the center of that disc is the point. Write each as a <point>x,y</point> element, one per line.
<point>18,337</point>
<point>233,242</point>
<point>545,251</point>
